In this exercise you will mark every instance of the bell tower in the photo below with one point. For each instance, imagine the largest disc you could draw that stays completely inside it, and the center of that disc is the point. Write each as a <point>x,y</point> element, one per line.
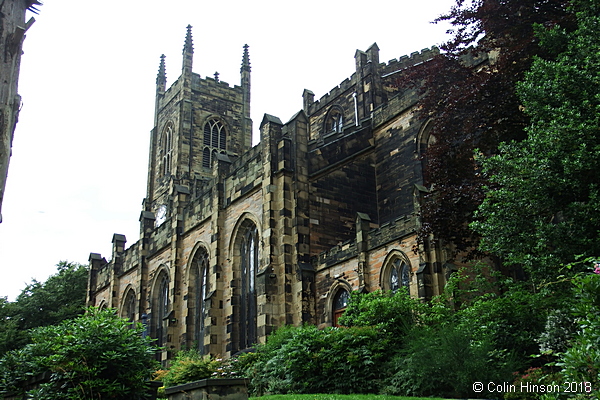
<point>196,120</point>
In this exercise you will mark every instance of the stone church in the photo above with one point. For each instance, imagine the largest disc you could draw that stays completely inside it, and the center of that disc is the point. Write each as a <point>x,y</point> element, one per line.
<point>236,240</point>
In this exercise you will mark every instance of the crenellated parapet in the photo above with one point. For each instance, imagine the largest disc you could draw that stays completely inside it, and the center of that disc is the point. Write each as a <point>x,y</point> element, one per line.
<point>418,57</point>
<point>358,96</point>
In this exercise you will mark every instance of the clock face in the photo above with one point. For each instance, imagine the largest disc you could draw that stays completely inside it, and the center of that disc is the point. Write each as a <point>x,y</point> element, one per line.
<point>161,215</point>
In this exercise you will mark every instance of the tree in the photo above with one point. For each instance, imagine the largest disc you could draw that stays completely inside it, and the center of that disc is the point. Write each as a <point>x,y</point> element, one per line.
<point>97,355</point>
<point>468,92</point>
<point>61,297</point>
<point>542,209</point>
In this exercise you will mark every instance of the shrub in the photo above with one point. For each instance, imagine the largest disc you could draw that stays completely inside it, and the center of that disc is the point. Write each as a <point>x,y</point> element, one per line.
<point>581,362</point>
<point>189,366</point>
<point>308,360</point>
<point>445,360</point>
<point>393,313</point>
<point>97,355</point>
<point>533,376</point>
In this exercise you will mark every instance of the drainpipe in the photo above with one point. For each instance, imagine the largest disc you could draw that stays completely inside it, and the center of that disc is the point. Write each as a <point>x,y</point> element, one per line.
<point>355,109</point>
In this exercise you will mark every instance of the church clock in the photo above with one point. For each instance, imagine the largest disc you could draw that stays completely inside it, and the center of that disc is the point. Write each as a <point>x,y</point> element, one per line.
<point>161,215</point>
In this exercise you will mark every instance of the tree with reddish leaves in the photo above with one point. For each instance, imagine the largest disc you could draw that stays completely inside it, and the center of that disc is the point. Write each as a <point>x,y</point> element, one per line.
<point>468,93</point>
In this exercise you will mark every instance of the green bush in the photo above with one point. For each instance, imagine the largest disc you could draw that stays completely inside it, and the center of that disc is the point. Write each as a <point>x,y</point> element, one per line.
<point>445,360</point>
<point>189,366</point>
<point>393,313</point>
<point>97,355</point>
<point>581,362</point>
<point>308,360</point>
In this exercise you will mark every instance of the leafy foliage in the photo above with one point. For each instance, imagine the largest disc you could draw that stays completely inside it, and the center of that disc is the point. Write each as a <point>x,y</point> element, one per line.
<point>472,104</point>
<point>97,355</point>
<point>445,360</point>
<point>308,360</point>
<point>189,366</point>
<point>391,313</point>
<point>61,297</point>
<point>581,362</point>
<point>543,209</point>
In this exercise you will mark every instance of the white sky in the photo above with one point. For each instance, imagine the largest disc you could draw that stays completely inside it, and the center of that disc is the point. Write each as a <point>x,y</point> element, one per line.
<point>80,153</point>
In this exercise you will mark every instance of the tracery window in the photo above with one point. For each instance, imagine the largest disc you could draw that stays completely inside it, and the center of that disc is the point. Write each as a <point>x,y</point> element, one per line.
<point>397,275</point>
<point>340,302</point>
<point>128,311</point>
<point>197,296</point>
<point>334,122</point>
<point>249,267</point>
<point>167,149</point>
<point>215,137</point>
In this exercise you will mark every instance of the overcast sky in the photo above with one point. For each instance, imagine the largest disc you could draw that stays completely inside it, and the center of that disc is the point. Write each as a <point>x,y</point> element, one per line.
<point>80,153</point>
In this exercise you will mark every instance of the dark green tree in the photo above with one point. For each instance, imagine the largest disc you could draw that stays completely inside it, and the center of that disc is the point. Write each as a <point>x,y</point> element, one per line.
<point>542,209</point>
<point>60,297</point>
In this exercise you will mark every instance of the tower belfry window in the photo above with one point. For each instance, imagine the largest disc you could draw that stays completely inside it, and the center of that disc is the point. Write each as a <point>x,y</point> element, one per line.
<point>167,149</point>
<point>215,137</point>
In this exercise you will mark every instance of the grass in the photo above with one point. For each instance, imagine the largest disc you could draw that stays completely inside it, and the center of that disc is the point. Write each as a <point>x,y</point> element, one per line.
<point>339,397</point>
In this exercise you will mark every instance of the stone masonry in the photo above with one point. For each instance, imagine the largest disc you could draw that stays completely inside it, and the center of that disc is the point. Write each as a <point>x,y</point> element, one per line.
<point>236,241</point>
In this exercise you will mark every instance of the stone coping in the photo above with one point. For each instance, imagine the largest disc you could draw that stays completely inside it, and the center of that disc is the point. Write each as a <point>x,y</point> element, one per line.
<point>206,383</point>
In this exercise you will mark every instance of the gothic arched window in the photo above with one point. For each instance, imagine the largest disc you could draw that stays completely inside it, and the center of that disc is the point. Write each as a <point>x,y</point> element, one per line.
<point>196,297</point>
<point>340,302</point>
<point>160,309</point>
<point>215,136</point>
<point>128,310</point>
<point>424,142</point>
<point>334,122</point>
<point>167,141</point>
<point>245,249</point>
<point>249,264</point>
<point>396,274</point>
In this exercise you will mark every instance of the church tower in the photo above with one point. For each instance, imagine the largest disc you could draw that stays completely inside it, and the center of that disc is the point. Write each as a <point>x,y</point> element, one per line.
<point>197,120</point>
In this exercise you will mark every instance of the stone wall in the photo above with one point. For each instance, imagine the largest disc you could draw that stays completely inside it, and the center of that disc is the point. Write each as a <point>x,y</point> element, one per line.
<point>214,389</point>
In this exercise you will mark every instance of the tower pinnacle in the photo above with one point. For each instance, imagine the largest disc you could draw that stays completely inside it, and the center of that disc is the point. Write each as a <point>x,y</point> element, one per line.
<point>188,47</point>
<point>245,60</point>
<point>161,77</point>
<point>188,51</point>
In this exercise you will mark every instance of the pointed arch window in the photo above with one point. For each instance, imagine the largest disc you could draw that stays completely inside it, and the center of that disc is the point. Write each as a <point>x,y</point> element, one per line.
<point>128,310</point>
<point>197,297</point>
<point>160,309</point>
<point>215,137</point>
<point>424,143</point>
<point>396,275</point>
<point>334,122</point>
<point>167,149</point>
<point>249,266</point>
<point>215,134</point>
<point>340,302</point>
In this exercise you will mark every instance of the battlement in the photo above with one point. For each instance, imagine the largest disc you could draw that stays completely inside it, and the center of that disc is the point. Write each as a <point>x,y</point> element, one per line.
<point>395,65</point>
<point>334,93</point>
<point>198,83</point>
